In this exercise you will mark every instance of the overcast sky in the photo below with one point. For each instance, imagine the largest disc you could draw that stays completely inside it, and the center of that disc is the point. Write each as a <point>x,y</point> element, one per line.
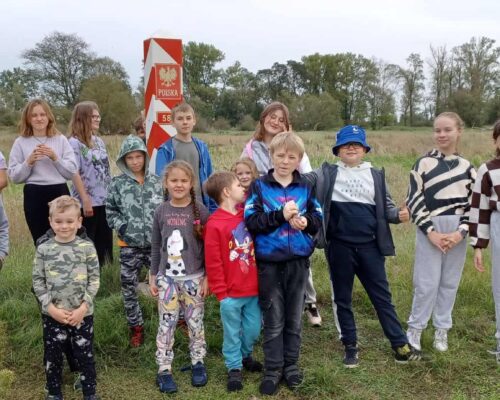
<point>255,32</point>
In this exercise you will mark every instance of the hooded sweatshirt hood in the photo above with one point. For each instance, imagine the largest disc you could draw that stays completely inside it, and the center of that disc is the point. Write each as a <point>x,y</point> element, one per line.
<point>130,144</point>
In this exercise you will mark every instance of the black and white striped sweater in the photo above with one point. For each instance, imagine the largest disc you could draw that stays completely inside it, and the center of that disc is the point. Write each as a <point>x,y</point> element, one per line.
<point>440,185</point>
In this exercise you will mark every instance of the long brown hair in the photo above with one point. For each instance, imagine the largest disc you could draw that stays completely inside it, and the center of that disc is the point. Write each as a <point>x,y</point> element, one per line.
<point>496,134</point>
<point>25,128</point>
<point>270,108</point>
<point>188,170</point>
<point>80,125</point>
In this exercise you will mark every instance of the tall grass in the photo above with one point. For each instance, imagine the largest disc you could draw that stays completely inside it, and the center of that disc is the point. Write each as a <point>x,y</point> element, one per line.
<point>466,371</point>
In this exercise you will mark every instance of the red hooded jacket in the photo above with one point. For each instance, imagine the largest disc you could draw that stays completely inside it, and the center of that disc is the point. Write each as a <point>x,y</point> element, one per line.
<point>230,256</point>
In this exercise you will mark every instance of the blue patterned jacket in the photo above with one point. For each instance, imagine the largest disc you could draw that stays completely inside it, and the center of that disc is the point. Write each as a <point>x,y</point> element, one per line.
<point>275,240</point>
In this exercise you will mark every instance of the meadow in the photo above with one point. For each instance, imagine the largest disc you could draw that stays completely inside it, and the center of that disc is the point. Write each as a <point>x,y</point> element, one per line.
<point>466,371</point>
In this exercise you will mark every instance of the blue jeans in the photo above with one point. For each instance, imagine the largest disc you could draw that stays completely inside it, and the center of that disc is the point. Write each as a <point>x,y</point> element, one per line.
<point>281,297</point>
<point>368,264</point>
<point>241,319</point>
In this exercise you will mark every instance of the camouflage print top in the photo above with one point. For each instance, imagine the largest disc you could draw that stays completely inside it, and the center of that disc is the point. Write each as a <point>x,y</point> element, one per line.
<point>130,205</point>
<point>66,274</point>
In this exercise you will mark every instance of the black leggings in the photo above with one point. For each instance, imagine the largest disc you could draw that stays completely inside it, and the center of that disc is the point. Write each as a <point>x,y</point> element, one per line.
<point>36,206</point>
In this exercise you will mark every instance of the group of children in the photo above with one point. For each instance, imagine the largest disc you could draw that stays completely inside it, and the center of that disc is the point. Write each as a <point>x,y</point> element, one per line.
<point>248,239</point>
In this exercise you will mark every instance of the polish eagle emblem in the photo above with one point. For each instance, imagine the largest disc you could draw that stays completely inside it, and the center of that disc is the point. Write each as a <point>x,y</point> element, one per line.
<point>167,76</point>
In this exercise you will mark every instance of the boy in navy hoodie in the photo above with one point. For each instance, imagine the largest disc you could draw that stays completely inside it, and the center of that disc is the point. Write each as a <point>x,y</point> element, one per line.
<point>232,275</point>
<point>357,208</point>
<point>282,214</point>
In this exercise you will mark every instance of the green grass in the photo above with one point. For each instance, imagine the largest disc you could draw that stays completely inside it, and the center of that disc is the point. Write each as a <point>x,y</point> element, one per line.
<point>465,372</point>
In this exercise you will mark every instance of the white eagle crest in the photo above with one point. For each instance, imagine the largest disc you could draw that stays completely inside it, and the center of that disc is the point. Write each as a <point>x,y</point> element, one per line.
<point>168,76</point>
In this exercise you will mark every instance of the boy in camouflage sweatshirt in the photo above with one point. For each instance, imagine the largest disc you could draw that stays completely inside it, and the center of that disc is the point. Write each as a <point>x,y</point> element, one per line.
<point>65,282</point>
<point>132,200</point>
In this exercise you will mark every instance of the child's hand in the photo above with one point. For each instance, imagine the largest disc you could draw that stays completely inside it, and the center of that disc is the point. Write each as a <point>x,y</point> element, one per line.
<point>59,314</point>
<point>439,240</point>
<point>290,209</point>
<point>478,259</point>
<point>204,289</point>
<point>88,211</point>
<point>47,151</point>
<point>299,223</point>
<point>404,213</point>
<point>152,285</point>
<point>452,239</point>
<point>76,316</point>
<point>34,157</point>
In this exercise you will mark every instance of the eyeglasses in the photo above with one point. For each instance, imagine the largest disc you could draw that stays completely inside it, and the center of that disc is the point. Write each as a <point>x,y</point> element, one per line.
<point>354,145</point>
<point>96,117</point>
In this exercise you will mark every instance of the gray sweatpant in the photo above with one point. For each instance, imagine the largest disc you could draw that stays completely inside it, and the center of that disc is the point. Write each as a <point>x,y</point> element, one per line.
<point>436,277</point>
<point>495,265</point>
<point>310,291</point>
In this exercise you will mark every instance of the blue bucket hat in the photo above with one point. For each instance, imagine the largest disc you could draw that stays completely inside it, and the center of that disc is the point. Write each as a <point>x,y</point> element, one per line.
<point>350,134</point>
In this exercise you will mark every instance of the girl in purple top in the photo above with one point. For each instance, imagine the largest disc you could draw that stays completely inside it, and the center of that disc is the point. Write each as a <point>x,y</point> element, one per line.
<point>42,159</point>
<point>91,182</point>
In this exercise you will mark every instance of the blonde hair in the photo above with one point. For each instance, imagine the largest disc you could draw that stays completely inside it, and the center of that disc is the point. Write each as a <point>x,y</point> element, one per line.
<point>289,141</point>
<point>25,128</point>
<point>188,170</point>
<point>184,108</point>
<point>249,163</point>
<point>80,125</point>
<point>270,108</point>
<point>454,116</point>
<point>62,203</point>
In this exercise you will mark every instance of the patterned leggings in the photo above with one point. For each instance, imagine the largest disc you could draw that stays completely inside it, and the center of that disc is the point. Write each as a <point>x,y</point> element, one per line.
<point>174,294</point>
<point>55,336</point>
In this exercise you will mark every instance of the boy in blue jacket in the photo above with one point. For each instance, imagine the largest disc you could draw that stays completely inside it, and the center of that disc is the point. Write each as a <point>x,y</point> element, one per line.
<point>282,214</point>
<point>357,209</point>
<point>184,146</point>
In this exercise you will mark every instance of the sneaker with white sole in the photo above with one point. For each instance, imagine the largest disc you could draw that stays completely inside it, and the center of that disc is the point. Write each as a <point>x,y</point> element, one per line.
<point>441,340</point>
<point>414,336</point>
<point>351,359</point>
<point>312,313</point>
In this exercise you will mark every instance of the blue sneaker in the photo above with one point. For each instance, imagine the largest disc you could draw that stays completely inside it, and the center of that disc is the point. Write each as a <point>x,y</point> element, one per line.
<point>165,382</point>
<point>199,374</point>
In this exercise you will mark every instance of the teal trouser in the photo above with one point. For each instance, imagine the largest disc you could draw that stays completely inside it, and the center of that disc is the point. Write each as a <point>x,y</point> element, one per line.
<point>241,319</point>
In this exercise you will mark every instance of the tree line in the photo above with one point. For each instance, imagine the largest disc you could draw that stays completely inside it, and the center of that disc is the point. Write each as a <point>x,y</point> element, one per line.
<point>322,90</point>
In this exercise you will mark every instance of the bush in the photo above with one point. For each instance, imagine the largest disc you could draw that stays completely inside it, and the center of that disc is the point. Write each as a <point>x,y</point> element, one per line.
<point>247,123</point>
<point>221,124</point>
<point>313,113</point>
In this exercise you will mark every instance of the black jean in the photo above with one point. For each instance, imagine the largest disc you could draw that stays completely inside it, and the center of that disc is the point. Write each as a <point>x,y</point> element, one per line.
<point>55,337</point>
<point>281,298</point>
<point>36,206</point>
<point>368,264</point>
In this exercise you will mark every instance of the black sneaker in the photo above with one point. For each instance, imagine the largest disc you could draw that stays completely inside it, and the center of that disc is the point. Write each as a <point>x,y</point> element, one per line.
<point>351,356</point>
<point>251,365</point>
<point>234,380</point>
<point>405,354</point>
<point>270,382</point>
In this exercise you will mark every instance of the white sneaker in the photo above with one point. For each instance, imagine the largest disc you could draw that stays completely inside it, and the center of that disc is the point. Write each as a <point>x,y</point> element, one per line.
<point>313,314</point>
<point>441,340</point>
<point>413,336</point>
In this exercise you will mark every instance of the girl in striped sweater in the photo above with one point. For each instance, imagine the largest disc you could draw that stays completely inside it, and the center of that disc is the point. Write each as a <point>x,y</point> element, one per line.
<point>485,223</point>
<point>439,200</point>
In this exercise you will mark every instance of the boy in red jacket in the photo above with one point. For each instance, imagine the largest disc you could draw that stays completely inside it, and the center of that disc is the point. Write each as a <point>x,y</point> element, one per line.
<point>232,275</point>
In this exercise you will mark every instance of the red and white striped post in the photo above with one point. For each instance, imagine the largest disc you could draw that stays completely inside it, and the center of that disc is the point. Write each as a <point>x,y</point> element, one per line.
<point>163,89</point>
